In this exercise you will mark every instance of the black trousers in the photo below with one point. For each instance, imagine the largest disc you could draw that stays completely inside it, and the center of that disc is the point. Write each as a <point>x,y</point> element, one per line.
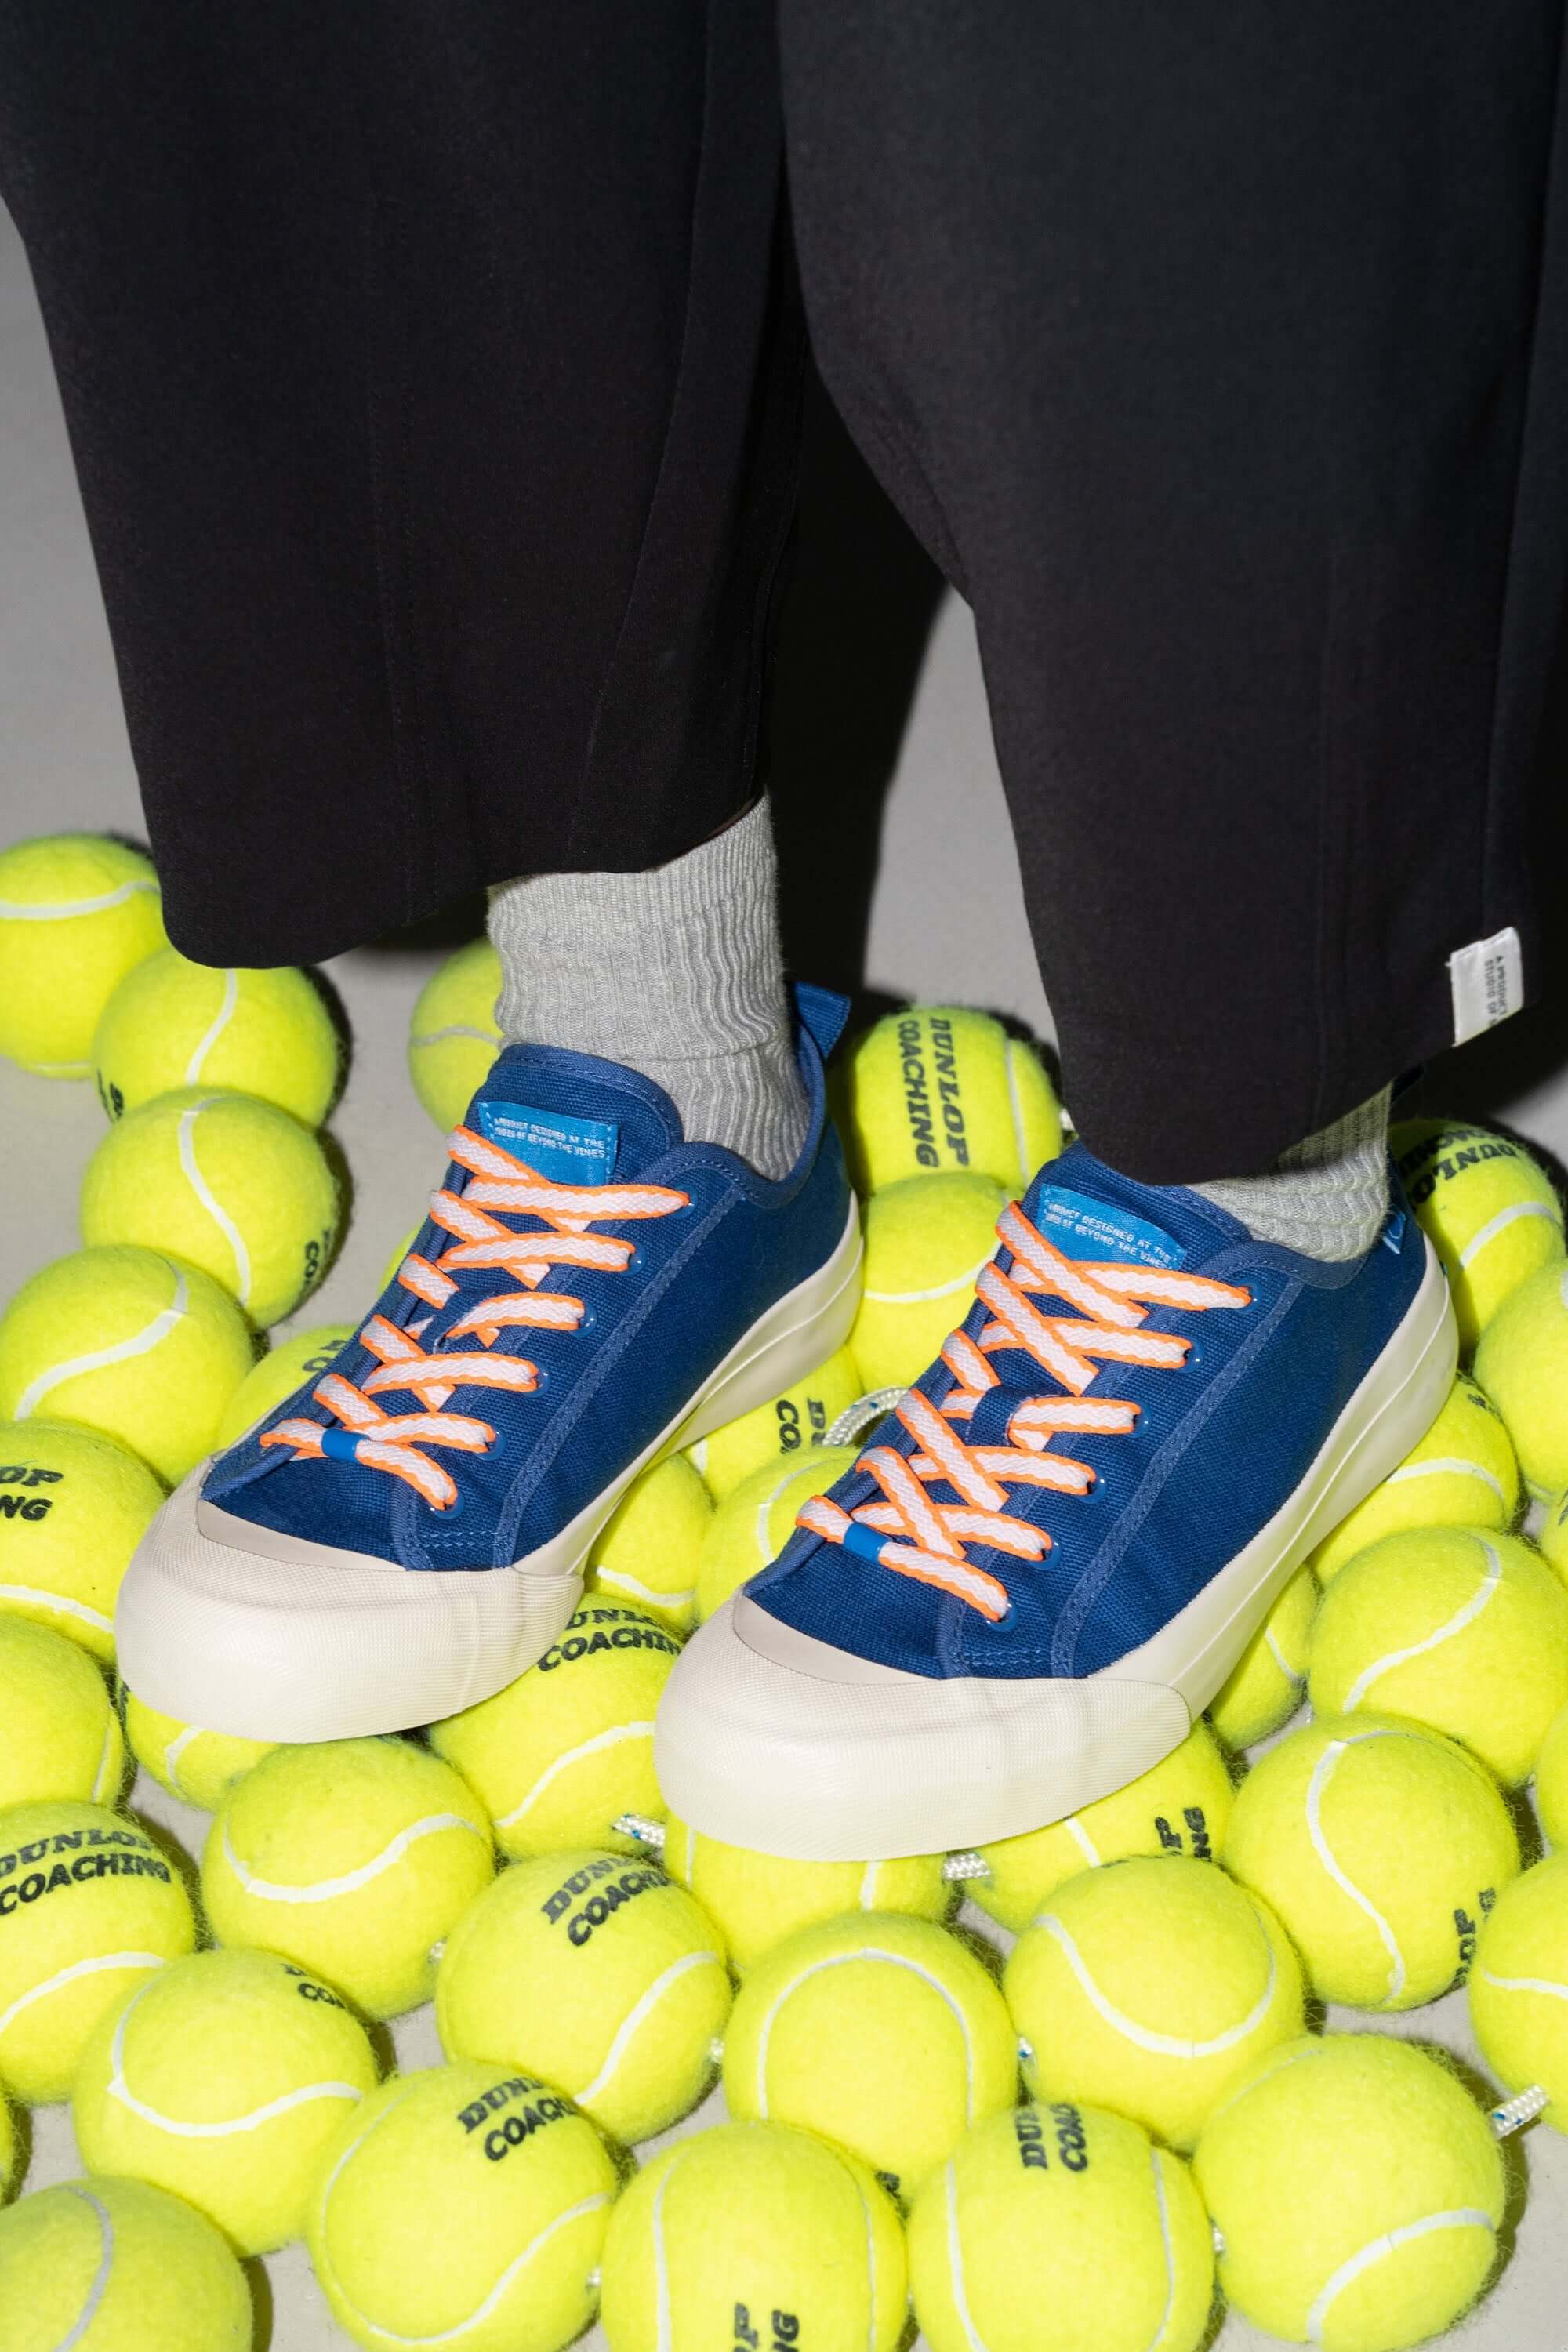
<point>433,372</point>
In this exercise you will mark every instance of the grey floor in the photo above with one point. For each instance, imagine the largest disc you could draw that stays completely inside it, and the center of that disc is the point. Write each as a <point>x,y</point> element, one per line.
<point>946,919</point>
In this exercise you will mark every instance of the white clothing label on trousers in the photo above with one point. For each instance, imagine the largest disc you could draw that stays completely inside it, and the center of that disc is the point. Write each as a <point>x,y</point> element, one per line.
<point>1488,982</point>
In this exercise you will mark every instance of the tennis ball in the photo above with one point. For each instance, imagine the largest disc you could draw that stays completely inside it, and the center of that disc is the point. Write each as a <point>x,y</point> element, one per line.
<point>1053,2229</point>
<point>926,1240</point>
<point>1519,1985</point>
<point>283,1369</point>
<point>1464,1631</point>
<point>801,1417</point>
<point>88,1906</point>
<point>650,1547</point>
<point>1522,1364</point>
<point>353,1859</point>
<point>938,1089</point>
<point>222,2079</point>
<point>757,1899</point>
<point>1552,1782</point>
<point>116,2266</point>
<point>453,1037</point>
<point>172,1024</point>
<point>73,1508</point>
<point>224,1182</point>
<point>1150,1987</point>
<point>59,1736</point>
<point>1356,2192</point>
<point>1488,1210</point>
<point>558,1755</point>
<point>76,913</point>
<point>1265,1689</point>
<point>197,1766</point>
<point>753,2235</point>
<point>1381,1846</point>
<point>464,2206</point>
<point>754,1522</point>
<point>599,1974</point>
<point>11,2152</point>
<point>879,2031</point>
<point>140,1347</point>
<point>1462,1475</point>
<point>1182,1806</point>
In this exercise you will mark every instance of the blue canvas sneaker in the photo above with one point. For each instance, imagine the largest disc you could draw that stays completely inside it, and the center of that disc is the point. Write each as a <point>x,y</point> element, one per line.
<point>1052,1554</point>
<point>406,1534</point>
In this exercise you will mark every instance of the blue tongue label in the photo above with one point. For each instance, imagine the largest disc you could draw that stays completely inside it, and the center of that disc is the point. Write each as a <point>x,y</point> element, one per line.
<point>1082,1228</point>
<point>567,1151</point>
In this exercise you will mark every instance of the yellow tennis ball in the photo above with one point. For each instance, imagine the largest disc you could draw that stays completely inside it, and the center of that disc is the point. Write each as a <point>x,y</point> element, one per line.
<point>142,1349</point>
<point>758,1899</point>
<point>1381,1846</point>
<point>199,1766</point>
<point>88,1906</point>
<point>224,1182</point>
<point>596,1972</point>
<point>1552,1782</point>
<point>1265,1686</point>
<point>878,2030</point>
<point>1181,1806</point>
<point>1462,1475</point>
<point>754,1521</point>
<point>649,1550</point>
<point>1489,1211</point>
<point>464,2206</point>
<point>11,2154</point>
<point>116,2266</point>
<point>355,1859</point>
<point>285,1367</point>
<point>1519,1986</point>
<point>1055,2229</point>
<point>222,2079</point>
<point>558,1755</point>
<point>754,2236</point>
<point>59,1736</point>
<point>1522,1364</point>
<point>1463,1629</point>
<point>454,1036</point>
<point>798,1419</point>
<point>926,1240</point>
<point>1356,2193</point>
<point>173,1024</point>
<point>937,1089</point>
<point>76,913</point>
<point>73,1508</point>
<point>1150,1987</point>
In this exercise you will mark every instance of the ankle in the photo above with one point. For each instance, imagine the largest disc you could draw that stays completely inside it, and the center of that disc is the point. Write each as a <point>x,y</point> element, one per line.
<point>1326,1196</point>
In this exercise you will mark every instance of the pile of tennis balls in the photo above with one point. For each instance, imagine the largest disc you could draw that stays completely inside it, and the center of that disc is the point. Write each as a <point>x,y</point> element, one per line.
<point>1081,2146</point>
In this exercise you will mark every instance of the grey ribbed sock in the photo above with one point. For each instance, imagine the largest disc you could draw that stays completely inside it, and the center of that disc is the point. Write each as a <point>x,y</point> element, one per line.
<point>678,972</point>
<point>1328,1196</point>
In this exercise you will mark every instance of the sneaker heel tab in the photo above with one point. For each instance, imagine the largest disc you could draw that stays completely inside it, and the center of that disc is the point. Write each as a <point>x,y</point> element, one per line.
<point>822,1012</point>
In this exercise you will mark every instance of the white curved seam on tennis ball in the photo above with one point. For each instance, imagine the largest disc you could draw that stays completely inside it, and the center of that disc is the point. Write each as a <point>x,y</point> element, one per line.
<point>641,2008</point>
<point>867,1898</point>
<point>457,1029</point>
<point>40,1595</point>
<point>622,1582</point>
<point>870,2259</point>
<point>570,1756</point>
<point>663,2319</point>
<point>119,2089</point>
<point>697,1454</point>
<point>90,2310</point>
<point>1461,2217</point>
<point>1322,1773</point>
<point>956,2263</point>
<point>65,910</point>
<point>941,1290</point>
<point>1547,1984</point>
<point>208,1198</point>
<point>482,2311</point>
<point>843,1959</point>
<point>327,1890</point>
<point>1163,2045</point>
<point>59,1069</point>
<point>764,1512</point>
<point>97,1966</point>
<point>1271,1640</point>
<point>1082,1839</point>
<point>177,1746</point>
<point>220,1022</point>
<point>105,1757</point>
<point>1162,2206</point>
<point>1480,1599</point>
<point>1494,1225</point>
<point>1446,1465</point>
<point>97,1359</point>
<point>1015,1107</point>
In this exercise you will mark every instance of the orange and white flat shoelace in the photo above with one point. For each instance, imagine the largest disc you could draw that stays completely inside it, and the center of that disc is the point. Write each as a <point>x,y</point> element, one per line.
<point>369,1433</point>
<point>908,1530</point>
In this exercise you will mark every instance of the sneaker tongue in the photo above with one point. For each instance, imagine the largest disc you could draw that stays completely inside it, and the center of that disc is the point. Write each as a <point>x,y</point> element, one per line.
<point>575,1120</point>
<point>1095,1225</point>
